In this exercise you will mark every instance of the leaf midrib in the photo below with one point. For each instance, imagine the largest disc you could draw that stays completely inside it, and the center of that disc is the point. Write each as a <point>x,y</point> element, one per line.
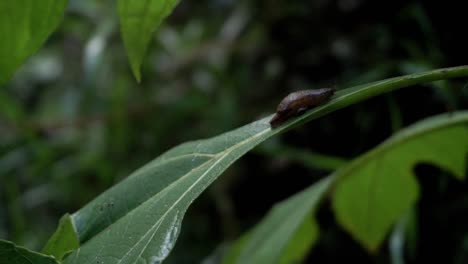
<point>216,158</point>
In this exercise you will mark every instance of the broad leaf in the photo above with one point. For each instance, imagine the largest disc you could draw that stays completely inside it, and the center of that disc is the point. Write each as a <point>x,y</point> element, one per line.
<point>138,21</point>
<point>139,218</point>
<point>287,233</point>
<point>159,194</point>
<point>300,244</point>
<point>64,239</point>
<point>24,27</point>
<point>13,254</point>
<point>377,188</point>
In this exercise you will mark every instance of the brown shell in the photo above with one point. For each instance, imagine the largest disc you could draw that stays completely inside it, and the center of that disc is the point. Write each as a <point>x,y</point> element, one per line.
<point>298,102</point>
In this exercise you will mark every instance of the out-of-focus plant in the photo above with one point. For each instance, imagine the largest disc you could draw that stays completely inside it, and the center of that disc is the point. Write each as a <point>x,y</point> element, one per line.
<point>140,218</point>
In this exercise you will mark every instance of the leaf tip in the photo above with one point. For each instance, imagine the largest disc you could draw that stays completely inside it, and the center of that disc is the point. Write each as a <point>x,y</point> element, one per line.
<point>136,71</point>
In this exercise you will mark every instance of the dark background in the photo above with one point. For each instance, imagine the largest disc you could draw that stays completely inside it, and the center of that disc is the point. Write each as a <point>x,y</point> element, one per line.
<point>73,121</point>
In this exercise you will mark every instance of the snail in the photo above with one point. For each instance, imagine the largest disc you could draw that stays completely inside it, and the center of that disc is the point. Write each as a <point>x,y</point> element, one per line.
<point>299,102</point>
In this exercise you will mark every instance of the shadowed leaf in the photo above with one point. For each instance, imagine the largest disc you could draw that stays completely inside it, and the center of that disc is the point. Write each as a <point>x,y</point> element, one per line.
<point>286,234</point>
<point>13,254</point>
<point>377,188</point>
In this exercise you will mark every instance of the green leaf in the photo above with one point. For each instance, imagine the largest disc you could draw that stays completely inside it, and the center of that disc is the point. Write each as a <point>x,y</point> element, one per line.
<point>156,198</point>
<point>64,240</point>
<point>377,188</point>
<point>301,242</point>
<point>138,21</point>
<point>235,249</point>
<point>288,231</point>
<point>25,25</point>
<point>139,218</point>
<point>13,254</point>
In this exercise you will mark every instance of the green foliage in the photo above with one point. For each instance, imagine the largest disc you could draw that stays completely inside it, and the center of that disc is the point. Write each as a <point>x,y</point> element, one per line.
<point>138,20</point>
<point>146,209</point>
<point>24,27</point>
<point>286,233</point>
<point>13,254</point>
<point>63,241</point>
<point>34,22</point>
<point>378,187</point>
<point>369,194</point>
<point>144,212</point>
<point>299,246</point>
<point>100,130</point>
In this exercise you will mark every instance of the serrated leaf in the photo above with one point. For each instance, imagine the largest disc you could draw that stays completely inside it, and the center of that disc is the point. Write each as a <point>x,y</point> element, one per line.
<point>139,218</point>
<point>138,21</point>
<point>64,240</point>
<point>376,189</point>
<point>24,27</point>
<point>288,231</point>
<point>13,254</point>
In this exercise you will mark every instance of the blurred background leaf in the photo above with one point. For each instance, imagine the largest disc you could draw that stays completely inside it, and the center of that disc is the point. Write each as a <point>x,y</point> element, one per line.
<point>25,26</point>
<point>74,122</point>
<point>138,20</point>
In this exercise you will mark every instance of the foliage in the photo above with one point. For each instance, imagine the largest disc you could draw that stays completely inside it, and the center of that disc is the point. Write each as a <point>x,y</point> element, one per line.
<point>64,240</point>
<point>71,130</point>
<point>11,253</point>
<point>369,213</point>
<point>286,234</point>
<point>138,21</point>
<point>27,23</point>
<point>386,187</point>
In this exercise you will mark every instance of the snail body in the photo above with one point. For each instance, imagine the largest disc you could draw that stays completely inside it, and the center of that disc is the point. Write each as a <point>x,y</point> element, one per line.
<point>297,103</point>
